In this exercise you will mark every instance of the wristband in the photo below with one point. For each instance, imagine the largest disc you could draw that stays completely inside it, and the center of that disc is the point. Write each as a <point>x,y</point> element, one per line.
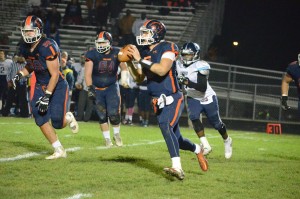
<point>145,63</point>
<point>48,92</point>
<point>21,73</point>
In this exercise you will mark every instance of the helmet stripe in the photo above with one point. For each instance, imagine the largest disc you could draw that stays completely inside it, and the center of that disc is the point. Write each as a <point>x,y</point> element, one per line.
<point>101,35</point>
<point>146,22</point>
<point>28,21</point>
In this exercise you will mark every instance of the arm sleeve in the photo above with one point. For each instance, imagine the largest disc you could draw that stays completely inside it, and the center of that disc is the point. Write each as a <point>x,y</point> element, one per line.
<point>201,84</point>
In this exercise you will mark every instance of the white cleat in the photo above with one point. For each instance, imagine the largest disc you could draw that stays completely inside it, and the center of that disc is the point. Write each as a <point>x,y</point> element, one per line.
<point>178,173</point>
<point>228,147</point>
<point>59,152</point>
<point>118,139</point>
<point>108,143</point>
<point>206,150</point>
<point>73,124</point>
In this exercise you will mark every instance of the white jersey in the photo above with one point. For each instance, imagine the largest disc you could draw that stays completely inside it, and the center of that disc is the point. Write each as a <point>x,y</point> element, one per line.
<point>5,66</point>
<point>191,72</point>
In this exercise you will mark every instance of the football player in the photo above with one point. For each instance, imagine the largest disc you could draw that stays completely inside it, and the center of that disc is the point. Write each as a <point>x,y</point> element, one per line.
<point>101,77</point>
<point>292,74</point>
<point>51,91</point>
<point>201,98</point>
<point>157,63</point>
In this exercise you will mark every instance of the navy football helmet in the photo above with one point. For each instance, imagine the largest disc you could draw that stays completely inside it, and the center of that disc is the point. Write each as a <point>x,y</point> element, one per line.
<point>151,32</point>
<point>32,29</point>
<point>189,53</point>
<point>103,42</point>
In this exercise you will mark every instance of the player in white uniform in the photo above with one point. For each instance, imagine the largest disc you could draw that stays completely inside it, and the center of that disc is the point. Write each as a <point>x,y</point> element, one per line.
<point>201,98</point>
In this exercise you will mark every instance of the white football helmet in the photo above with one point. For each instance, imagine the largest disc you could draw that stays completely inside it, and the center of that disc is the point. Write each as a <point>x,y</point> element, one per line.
<point>189,53</point>
<point>103,42</point>
<point>32,29</point>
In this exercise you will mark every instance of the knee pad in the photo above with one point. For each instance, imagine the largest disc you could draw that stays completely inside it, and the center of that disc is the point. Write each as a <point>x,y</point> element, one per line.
<point>103,119</point>
<point>115,119</point>
<point>198,126</point>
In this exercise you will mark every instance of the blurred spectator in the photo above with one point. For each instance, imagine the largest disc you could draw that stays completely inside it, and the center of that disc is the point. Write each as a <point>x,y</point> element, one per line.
<point>92,6</point>
<point>54,16</point>
<point>97,13</point>
<point>73,13</point>
<point>125,25</point>
<point>19,94</point>
<point>144,101</point>
<point>5,65</point>
<point>68,73</point>
<point>131,95</point>
<point>53,32</point>
<point>85,105</point>
<point>115,7</point>
<point>138,23</point>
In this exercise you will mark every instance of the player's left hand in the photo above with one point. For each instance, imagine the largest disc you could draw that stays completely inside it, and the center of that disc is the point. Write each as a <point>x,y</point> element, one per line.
<point>16,79</point>
<point>43,103</point>
<point>183,80</point>
<point>91,93</point>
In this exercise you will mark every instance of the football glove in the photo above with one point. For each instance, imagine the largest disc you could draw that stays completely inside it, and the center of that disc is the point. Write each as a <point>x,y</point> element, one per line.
<point>16,79</point>
<point>284,105</point>
<point>91,92</point>
<point>182,80</point>
<point>43,103</point>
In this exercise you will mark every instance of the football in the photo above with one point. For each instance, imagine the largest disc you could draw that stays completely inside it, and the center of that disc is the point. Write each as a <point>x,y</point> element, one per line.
<point>123,55</point>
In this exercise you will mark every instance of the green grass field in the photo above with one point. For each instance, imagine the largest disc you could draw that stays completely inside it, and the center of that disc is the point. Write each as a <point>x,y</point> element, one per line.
<point>262,166</point>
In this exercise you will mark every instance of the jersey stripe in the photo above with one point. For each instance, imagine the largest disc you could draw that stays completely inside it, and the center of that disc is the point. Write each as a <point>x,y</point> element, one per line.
<point>176,111</point>
<point>172,81</point>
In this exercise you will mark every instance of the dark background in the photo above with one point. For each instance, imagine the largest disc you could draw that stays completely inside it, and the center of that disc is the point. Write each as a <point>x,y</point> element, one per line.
<point>268,32</point>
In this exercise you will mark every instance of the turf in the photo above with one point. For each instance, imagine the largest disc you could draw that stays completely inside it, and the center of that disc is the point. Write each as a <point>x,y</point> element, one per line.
<point>263,165</point>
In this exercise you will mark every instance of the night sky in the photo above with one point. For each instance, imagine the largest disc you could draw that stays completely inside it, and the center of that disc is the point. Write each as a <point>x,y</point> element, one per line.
<point>268,32</point>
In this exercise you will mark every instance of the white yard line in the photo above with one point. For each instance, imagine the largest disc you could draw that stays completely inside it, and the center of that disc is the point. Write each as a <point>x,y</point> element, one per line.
<point>31,154</point>
<point>80,195</point>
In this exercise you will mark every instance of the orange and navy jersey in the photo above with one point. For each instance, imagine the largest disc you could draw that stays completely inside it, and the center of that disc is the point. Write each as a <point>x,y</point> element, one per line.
<point>156,84</point>
<point>293,70</point>
<point>36,60</point>
<point>105,67</point>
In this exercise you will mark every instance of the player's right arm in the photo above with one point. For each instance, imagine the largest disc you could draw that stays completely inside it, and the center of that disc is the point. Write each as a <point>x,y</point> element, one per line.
<point>88,69</point>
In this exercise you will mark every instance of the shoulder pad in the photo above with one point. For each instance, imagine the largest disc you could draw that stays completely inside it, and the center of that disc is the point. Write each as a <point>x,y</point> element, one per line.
<point>203,67</point>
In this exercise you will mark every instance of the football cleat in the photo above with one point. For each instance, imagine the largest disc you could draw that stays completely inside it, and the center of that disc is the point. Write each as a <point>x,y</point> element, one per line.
<point>228,147</point>
<point>117,138</point>
<point>178,173</point>
<point>108,143</point>
<point>202,160</point>
<point>59,152</point>
<point>207,150</point>
<point>73,123</point>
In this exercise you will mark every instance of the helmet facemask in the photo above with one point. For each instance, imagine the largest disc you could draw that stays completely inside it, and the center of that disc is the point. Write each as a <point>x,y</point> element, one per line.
<point>188,57</point>
<point>146,37</point>
<point>28,38</point>
<point>102,45</point>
